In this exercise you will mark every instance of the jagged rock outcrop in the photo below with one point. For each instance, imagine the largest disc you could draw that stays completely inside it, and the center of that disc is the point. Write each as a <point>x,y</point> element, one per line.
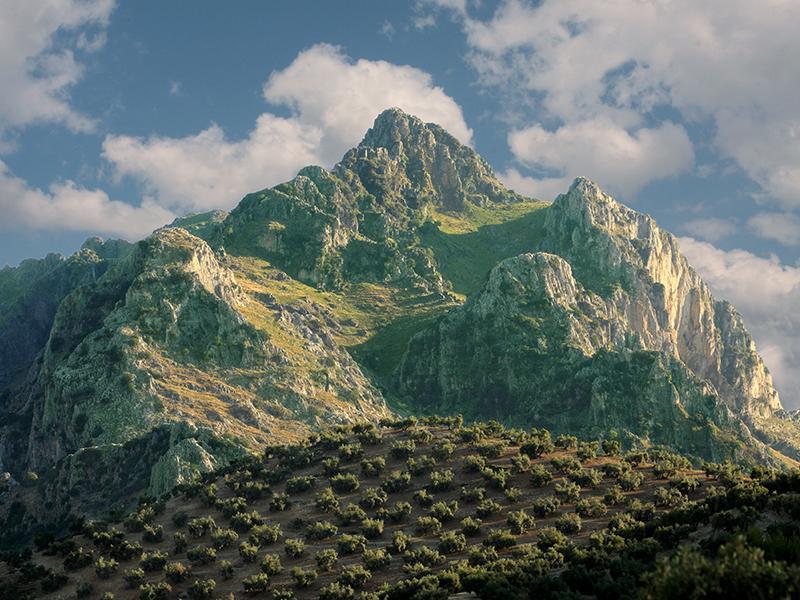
<point>608,329</point>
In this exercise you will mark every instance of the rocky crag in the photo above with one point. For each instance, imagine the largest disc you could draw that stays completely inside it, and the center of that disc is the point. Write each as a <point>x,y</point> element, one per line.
<point>407,278</point>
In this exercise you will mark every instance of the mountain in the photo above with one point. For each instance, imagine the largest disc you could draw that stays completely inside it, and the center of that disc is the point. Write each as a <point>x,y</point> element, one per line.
<point>405,279</point>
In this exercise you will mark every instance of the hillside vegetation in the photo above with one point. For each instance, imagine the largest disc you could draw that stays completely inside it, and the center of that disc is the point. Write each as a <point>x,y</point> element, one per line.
<point>429,508</point>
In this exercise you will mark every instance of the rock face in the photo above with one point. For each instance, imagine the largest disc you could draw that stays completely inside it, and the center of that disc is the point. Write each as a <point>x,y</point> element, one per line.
<point>607,327</point>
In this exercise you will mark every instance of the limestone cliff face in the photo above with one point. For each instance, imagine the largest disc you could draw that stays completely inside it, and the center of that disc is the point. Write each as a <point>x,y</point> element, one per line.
<point>607,328</point>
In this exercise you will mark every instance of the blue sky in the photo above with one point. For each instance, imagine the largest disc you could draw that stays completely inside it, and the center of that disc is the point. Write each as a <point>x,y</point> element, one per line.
<point>116,117</point>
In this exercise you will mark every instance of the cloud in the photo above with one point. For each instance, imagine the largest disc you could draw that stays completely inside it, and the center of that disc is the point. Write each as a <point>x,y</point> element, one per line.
<point>767,293</point>
<point>36,75</point>
<point>620,161</point>
<point>728,63</point>
<point>711,229</point>
<point>781,227</point>
<point>67,207</point>
<point>333,101</point>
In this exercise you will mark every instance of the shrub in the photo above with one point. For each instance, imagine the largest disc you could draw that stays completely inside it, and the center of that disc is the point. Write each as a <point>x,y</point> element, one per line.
<point>202,555</point>
<point>568,523</point>
<point>399,512</point>
<point>635,457</point>
<point>611,447</point>
<point>373,498</point>
<point>133,577</point>
<point>587,450</point>
<point>345,483</point>
<point>499,539</point>
<point>587,478</point>
<point>400,542</point>
<point>154,591</point>
<point>348,452</point>
<point>303,578</point>
<point>684,483</point>
<point>54,581</point>
<point>472,494</point>
<point>294,548</point>
<point>300,484</point>
<point>280,502</point>
<point>540,476</point>
<point>78,559</point>
<point>202,589</point>
<point>521,463</point>
<point>153,534</point>
<point>265,534</point>
<point>566,465</point>
<point>420,465</point>
<point>351,544</point>
<point>451,542</point>
<point>537,446</point>
<point>668,497</point>
<point>271,564</point>
<point>255,584</point>
<point>566,442</point>
<point>614,496</point>
<point>226,569</point>
<point>512,494</point>
<point>175,572</point>
<point>444,511</point>
<point>519,521</point>
<point>550,537</point>
<point>496,477</point>
<point>326,559</point>
<point>336,591</point>
<point>470,526</point>
<point>330,466</point>
<point>372,467</point>
<point>327,500</point>
<point>372,528</point>
<point>441,480</point>
<point>543,507</point>
<point>351,514</point>
<point>355,576</point>
<point>248,552</point>
<point>375,560</point>
<point>222,538</point>
<point>615,470</point>
<point>105,568</point>
<point>423,498</point>
<point>200,526</point>
<point>179,542</point>
<point>487,507</point>
<point>424,555</point>
<point>231,506</point>
<point>153,561</point>
<point>443,450</point>
<point>402,449</point>
<point>396,481</point>
<point>567,491</point>
<point>630,481</point>
<point>321,530</point>
<point>474,463</point>
<point>481,555</point>
<point>591,507</point>
<point>427,524</point>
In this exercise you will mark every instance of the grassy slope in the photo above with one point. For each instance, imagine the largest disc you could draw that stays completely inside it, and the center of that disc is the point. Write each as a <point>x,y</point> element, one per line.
<point>303,511</point>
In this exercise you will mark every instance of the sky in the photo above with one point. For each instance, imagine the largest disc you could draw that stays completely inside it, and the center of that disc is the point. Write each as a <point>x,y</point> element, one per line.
<point>117,117</point>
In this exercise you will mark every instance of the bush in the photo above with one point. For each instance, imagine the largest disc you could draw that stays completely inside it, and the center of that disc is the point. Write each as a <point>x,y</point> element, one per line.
<point>321,530</point>
<point>472,494</point>
<point>399,512</point>
<point>280,502</point>
<point>630,481</point>
<point>540,476</point>
<point>402,449</point>
<point>222,538</point>
<point>684,483</point>
<point>521,463</point>
<point>451,542</point>
<point>153,534</point>
<point>400,542</point>
<point>424,555</point>
<point>568,523</point>
<point>201,525</point>
<point>294,548</point>
<point>587,450</point>
<point>470,526</point>
<point>487,507</point>
<point>372,528</point>
<point>351,514</point>
<point>179,542</point>
<point>271,564</point>
<point>133,577</point>
<point>264,535</point>
<point>519,521</point>
<point>375,560</point>
<point>499,539</point>
<point>567,491</point>
<point>611,447</point>
<point>327,500</point>
<point>566,465</point>
<point>614,496</point>
<point>202,555</point>
<point>474,463</point>
<point>336,591</point>
<point>588,478</point>
<point>105,568</point>
<point>297,485</point>
<point>550,537</point>
<point>566,442</point>
<point>355,576</point>
<point>154,591</point>
<point>175,572</point>
<point>226,569</point>
<point>326,559</point>
<point>591,507</point>
<point>396,481</point>
<point>548,505</point>
<point>443,450</point>
<point>441,480</point>
<point>248,552</point>
<point>153,561</point>
<point>345,483</point>
<point>496,477</point>
<point>202,589</point>
<point>512,494</point>
<point>420,465</point>
<point>303,578</point>
<point>423,498</point>
<point>373,498</point>
<point>255,584</point>
<point>373,467</point>
<point>428,524</point>
<point>445,511</point>
<point>348,452</point>
<point>330,466</point>
<point>668,497</point>
<point>78,559</point>
<point>351,544</point>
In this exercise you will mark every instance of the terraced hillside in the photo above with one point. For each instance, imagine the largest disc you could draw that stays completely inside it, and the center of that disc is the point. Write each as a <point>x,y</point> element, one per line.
<point>426,509</point>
